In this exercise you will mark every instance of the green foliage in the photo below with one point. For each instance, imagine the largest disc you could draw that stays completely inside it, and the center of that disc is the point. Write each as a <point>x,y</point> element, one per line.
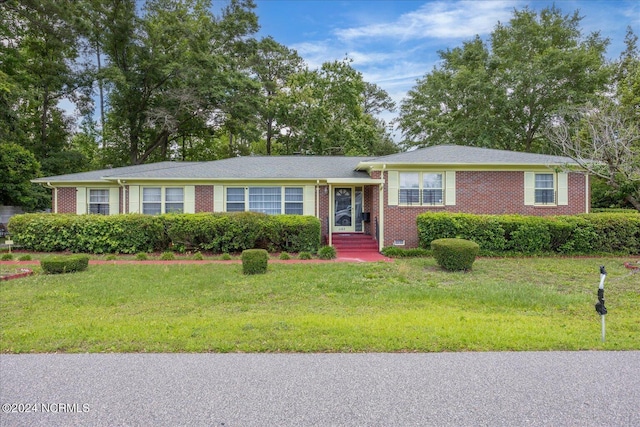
<point>455,254</point>
<point>64,264</point>
<point>225,257</point>
<point>6,257</point>
<point>197,256</point>
<point>141,256</point>
<point>327,252</point>
<point>304,255</point>
<point>26,257</point>
<point>535,63</point>
<point>396,252</point>
<point>111,257</point>
<point>19,166</point>
<point>97,234</point>
<point>284,256</point>
<point>167,256</point>
<point>254,261</point>
<point>499,234</point>
<point>235,232</point>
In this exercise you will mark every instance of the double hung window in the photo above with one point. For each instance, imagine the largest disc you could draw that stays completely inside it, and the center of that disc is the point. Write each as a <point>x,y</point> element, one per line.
<point>99,202</point>
<point>158,200</point>
<point>421,188</point>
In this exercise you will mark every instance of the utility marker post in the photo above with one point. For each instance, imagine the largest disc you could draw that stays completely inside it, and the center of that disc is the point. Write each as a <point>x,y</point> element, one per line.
<point>600,308</point>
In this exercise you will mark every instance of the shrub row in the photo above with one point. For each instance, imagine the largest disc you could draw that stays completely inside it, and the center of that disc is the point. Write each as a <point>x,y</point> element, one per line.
<point>134,233</point>
<point>497,234</point>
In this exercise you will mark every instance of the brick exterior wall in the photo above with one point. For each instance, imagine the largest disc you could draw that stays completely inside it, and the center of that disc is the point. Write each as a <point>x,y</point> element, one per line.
<point>488,192</point>
<point>66,199</point>
<point>204,198</point>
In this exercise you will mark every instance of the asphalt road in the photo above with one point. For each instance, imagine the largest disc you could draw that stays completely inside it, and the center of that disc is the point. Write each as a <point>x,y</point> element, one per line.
<point>439,389</point>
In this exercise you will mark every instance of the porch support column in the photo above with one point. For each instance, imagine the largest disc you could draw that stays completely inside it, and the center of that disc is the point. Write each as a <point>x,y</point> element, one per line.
<point>330,215</point>
<point>381,217</point>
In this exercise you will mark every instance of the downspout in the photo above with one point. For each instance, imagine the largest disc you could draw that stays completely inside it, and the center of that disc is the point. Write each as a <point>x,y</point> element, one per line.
<point>124,196</point>
<point>55,196</point>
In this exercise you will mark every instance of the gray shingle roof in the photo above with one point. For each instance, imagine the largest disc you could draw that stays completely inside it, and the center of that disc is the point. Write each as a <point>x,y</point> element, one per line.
<point>463,155</point>
<point>309,167</point>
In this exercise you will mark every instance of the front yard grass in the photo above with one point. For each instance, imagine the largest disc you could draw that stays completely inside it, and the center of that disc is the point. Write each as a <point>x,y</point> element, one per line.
<point>402,306</point>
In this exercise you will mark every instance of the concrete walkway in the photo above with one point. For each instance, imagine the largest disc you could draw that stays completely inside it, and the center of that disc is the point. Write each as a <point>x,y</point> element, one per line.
<point>438,389</point>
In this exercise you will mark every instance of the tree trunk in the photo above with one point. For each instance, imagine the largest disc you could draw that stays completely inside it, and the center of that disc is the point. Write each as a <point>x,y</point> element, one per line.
<point>634,202</point>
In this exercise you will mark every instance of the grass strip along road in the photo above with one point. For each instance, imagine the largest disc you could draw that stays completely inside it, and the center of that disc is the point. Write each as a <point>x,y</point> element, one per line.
<point>403,306</point>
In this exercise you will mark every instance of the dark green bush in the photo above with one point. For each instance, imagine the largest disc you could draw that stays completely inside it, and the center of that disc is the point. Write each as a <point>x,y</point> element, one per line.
<point>141,256</point>
<point>98,234</point>
<point>167,256</point>
<point>26,257</point>
<point>64,264</point>
<point>133,233</point>
<point>6,257</point>
<point>304,255</point>
<point>614,233</point>
<point>327,252</point>
<point>197,256</point>
<point>284,256</point>
<point>455,254</point>
<point>254,261</point>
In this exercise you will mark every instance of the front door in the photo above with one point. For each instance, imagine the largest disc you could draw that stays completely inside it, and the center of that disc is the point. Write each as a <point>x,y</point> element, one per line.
<point>347,208</point>
<point>343,220</point>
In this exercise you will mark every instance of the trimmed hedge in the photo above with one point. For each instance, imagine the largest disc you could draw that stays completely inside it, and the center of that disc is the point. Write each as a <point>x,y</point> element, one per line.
<point>134,233</point>
<point>614,233</point>
<point>455,254</point>
<point>255,261</point>
<point>64,264</point>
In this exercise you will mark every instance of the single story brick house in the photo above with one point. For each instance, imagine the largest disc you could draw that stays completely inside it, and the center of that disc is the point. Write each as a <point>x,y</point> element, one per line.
<point>379,196</point>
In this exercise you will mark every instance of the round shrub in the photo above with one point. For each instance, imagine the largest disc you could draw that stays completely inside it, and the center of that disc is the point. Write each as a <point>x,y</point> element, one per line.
<point>111,257</point>
<point>25,258</point>
<point>455,254</point>
<point>304,255</point>
<point>198,256</point>
<point>6,257</point>
<point>225,257</point>
<point>327,252</point>
<point>254,261</point>
<point>64,264</point>
<point>167,256</point>
<point>284,256</point>
<point>141,256</point>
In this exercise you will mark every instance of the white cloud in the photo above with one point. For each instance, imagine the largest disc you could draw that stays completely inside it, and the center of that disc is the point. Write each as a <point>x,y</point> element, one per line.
<point>461,19</point>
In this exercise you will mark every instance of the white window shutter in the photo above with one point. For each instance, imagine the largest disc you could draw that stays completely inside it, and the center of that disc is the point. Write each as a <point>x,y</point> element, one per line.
<point>392,176</point>
<point>450,185</point>
<point>81,200</point>
<point>114,201</point>
<point>218,198</point>
<point>563,189</point>
<point>189,199</point>
<point>529,188</point>
<point>309,200</point>
<point>134,199</point>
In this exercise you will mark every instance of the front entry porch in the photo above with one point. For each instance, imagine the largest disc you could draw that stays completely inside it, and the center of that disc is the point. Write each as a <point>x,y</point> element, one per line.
<point>356,247</point>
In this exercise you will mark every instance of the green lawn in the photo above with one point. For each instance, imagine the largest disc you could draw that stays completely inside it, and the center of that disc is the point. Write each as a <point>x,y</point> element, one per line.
<point>407,305</point>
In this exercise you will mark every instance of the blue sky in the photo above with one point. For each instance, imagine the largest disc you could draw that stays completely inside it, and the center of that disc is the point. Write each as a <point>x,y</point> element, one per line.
<point>394,43</point>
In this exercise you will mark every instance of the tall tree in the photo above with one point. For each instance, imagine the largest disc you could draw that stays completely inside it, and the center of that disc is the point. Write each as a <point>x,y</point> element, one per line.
<point>272,65</point>
<point>40,42</point>
<point>172,72</point>
<point>503,96</point>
